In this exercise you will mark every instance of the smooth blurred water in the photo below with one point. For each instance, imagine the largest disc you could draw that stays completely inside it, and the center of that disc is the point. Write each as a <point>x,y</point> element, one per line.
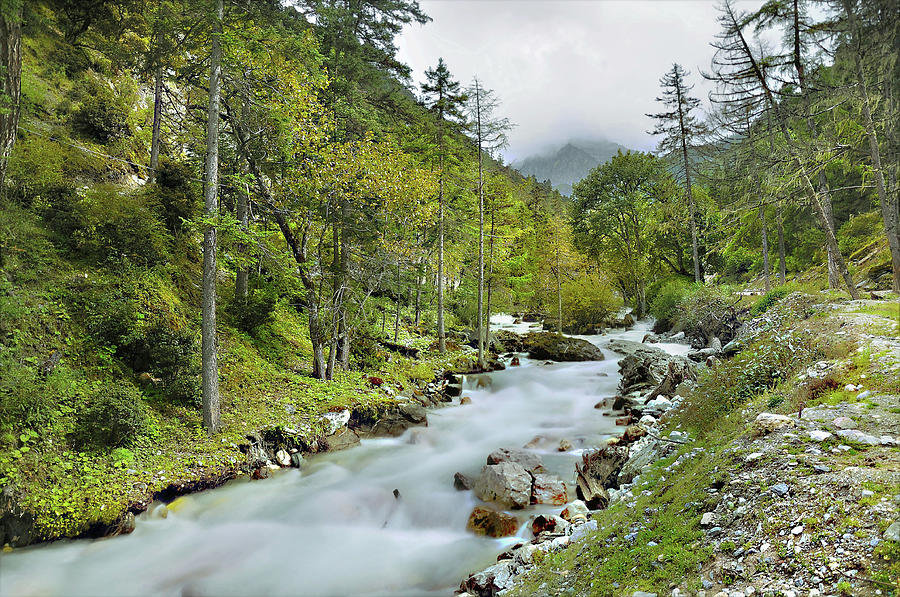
<point>335,528</point>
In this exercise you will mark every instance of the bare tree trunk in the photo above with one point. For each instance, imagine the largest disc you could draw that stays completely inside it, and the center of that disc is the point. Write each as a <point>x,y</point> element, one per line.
<point>419,276</point>
<point>559,321</point>
<point>241,279</point>
<point>695,253</point>
<point>10,81</point>
<point>888,203</point>
<point>210,367</point>
<point>490,284</point>
<point>480,327</point>
<point>765,247</point>
<point>834,275</point>
<point>397,311</point>
<point>157,115</point>
<point>782,265</point>
<point>442,338</point>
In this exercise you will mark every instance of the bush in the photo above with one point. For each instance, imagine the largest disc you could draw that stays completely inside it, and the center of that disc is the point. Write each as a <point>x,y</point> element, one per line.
<point>114,417</point>
<point>739,261</point>
<point>769,299</point>
<point>706,312</point>
<point>108,225</point>
<point>255,310</point>
<point>103,113</point>
<point>859,231</point>
<point>664,299</point>
<point>587,303</point>
<point>175,194</point>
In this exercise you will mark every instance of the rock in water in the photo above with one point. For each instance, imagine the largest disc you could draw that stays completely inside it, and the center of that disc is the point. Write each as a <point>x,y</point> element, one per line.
<point>507,483</point>
<point>548,489</point>
<point>550,346</point>
<point>462,482</point>
<point>493,523</point>
<point>490,581</point>
<point>576,512</point>
<point>548,524</point>
<point>530,461</point>
<point>343,439</point>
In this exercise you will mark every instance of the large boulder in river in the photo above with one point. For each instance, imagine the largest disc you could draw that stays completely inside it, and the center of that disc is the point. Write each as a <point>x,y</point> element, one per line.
<point>490,581</point>
<point>493,523</point>
<point>511,341</point>
<point>507,484</point>
<point>343,439</point>
<point>548,489</point>
<point>553,347</point>
<point>530,461</point>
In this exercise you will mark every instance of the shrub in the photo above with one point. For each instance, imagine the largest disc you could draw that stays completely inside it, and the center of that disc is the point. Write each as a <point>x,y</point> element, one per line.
<point>175,194</point>
<point>114,417</point>
<point>738,262</point>
<point>103,112</point>
<point>769,299</point>
<point>858,232</point>
<point>108,225</point>
<point>255,310</point>
<point>664,299</point>
<point>706,312</point>
<point>587,303</point>
<point>366,354</point>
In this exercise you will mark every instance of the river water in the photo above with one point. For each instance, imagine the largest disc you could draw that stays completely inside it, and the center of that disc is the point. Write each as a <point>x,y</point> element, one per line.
<point>335,528</point>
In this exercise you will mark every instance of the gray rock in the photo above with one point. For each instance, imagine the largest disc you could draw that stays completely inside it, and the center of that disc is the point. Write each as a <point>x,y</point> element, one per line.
<point>582,531</point>
<point>550,346</point>
<point>548,489</point>
<point>491,580</point>
<point>854,435</point>
<point>781,489</point>
<point>892,533</point>
<point>343,439</point>
<point>530,461</point>
<point>507,483</point>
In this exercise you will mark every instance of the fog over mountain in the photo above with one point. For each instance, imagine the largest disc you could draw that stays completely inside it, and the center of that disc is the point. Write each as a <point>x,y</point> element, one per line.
<point>566,165</point>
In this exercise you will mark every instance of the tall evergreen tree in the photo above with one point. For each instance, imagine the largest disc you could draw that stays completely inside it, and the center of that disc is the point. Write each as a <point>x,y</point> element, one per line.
<point>445,100</point>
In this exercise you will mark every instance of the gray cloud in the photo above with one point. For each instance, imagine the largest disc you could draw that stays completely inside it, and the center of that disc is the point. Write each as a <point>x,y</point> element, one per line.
<point>567,69</point>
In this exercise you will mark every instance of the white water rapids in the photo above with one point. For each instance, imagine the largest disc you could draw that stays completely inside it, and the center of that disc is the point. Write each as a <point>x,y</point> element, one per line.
<point>335,528</point>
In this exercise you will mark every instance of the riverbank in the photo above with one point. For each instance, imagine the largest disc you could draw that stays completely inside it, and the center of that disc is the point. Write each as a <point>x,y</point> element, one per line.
<point>788,484</point>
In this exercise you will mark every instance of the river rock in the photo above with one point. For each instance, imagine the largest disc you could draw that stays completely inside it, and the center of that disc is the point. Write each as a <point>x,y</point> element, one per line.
<point>343,439</point>
<point>548,489</point>
<point>548,523</point>
<point>491,580</point>
<point>530,461</point>
<point>634,433</point>
<point>769,422</point>
<point>335,420</point>
<point>493,523</point>
<point>414,413</point>
<point>550,346</point>
<point>647,367</point>
<point>462,482</point>
<point>283,458</point>
<point>465,400</point>
<point>564,445</point>
<point>577,512</point>
<point>511,341</point>
<point>507,483</point>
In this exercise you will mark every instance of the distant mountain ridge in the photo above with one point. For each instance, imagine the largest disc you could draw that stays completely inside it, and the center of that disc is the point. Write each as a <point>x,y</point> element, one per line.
<point>570,163</point>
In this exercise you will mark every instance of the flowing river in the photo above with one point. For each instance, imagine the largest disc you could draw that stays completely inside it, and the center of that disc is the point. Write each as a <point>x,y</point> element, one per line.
<point>335,528</point>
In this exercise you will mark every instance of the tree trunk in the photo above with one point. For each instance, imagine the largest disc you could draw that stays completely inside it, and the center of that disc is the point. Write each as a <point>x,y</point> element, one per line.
<point>490,285</point>
<point>241,279</point>
<point>210,367</point>
<point>782,265</point>
<point>695,253</point>
<point>559,321</point>
<point>10,82</point>
<point>834,275</point>
<point>888,203</point>
<point>442,338</point>
<point>157,115</point>
<point>765,247</point>
<point>397,311</point>
<point>419,276</point>
<point>480,327</point>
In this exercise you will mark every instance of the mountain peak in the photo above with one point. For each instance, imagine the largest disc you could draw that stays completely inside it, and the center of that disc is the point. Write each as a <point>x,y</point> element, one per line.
<point>570,163</point>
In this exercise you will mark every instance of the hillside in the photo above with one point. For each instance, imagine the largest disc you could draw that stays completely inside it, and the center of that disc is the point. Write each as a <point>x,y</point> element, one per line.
<point>570,163</point>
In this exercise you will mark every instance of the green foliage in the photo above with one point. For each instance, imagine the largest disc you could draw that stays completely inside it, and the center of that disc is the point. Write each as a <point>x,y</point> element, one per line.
<point>103,112</point>
<point>859,231</point>
<point>769,299</point>
<point>254,310</point>
<point>706,312</point>
<point>115,417</point>
<point>587,303</point>
<point>175,193</point>
<point>107,224</point>
<point>664,298</point>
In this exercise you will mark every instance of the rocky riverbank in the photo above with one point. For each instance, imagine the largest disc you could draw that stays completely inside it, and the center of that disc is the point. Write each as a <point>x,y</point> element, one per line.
<point>793,492</point>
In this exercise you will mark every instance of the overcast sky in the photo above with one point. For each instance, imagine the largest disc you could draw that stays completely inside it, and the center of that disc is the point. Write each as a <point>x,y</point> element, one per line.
<point>565,69</point>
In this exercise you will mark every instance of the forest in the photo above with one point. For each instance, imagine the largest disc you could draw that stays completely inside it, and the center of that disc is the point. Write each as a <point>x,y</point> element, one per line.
<point>226,216</point>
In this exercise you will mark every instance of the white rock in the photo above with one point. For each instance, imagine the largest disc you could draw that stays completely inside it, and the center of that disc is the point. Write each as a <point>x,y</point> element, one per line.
<point>649,420</point>
<point>850,388</point>
<point>707,519</point>
<point>283,458</point>
<point>797,530</point>
<point>768,422</point>
<point>858,436</point>
<point>334,421</point>
<point>819,435</point>
<point>754,456</point>
<point>560,542</point>
<point>660,403</point>
<point>887,440</point>
<point>864,395</point>
<point>582,531</point>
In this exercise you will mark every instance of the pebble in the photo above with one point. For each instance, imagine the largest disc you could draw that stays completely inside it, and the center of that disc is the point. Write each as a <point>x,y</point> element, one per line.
<point>864,395</point>
<point>821,468</point>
